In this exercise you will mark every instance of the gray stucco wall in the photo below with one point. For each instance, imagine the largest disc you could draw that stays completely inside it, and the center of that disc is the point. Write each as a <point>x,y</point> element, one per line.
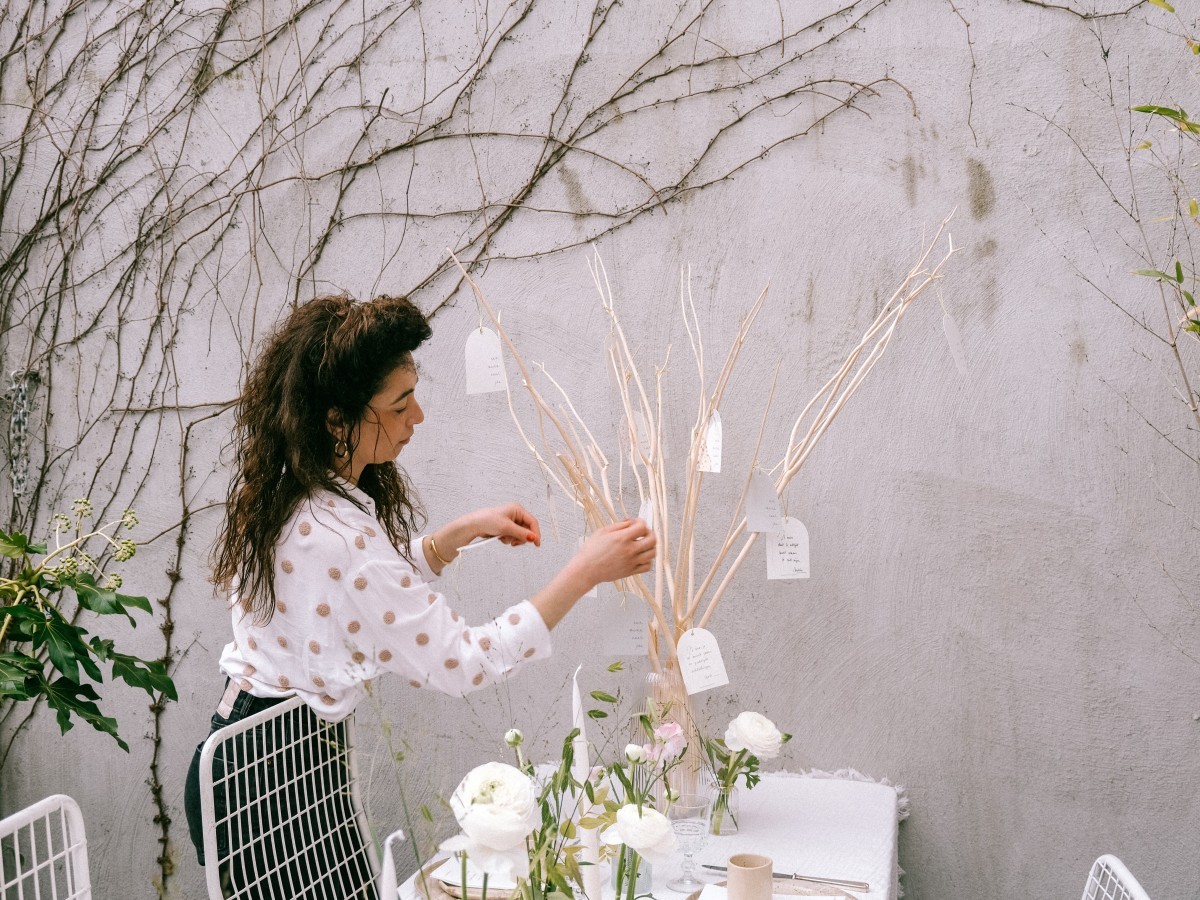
<point>1002,612</point>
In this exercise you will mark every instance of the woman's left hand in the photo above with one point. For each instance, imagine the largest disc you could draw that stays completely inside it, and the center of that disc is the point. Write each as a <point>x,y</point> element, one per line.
<point>512,523</point>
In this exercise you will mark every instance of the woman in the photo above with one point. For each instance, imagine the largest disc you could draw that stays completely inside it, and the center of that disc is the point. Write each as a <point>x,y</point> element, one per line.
<point>330,586</point>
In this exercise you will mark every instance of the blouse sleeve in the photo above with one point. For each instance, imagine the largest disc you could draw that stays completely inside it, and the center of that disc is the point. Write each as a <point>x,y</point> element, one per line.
<point>398,623</point>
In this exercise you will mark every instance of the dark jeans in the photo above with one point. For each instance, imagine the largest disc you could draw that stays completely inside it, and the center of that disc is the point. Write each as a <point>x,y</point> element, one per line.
<point>290,832</point>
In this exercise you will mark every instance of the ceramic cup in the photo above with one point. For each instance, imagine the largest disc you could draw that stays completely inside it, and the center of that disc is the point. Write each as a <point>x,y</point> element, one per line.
<point>749,877</point>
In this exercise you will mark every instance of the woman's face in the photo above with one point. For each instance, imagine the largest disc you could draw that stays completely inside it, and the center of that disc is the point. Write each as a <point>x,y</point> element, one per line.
<point>389,420</point>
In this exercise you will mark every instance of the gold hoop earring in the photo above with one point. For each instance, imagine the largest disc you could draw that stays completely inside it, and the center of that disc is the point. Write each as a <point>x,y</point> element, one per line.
<point>340,450</point>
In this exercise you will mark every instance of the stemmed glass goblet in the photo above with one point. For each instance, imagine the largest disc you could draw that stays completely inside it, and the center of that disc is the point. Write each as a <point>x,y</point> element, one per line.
<point>691,819</point>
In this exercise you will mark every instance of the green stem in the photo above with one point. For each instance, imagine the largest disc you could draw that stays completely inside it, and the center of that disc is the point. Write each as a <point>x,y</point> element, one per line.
<point>4,628</point>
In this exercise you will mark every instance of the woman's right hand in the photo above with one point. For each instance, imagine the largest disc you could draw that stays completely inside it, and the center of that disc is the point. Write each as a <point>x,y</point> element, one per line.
<point>617,551</point>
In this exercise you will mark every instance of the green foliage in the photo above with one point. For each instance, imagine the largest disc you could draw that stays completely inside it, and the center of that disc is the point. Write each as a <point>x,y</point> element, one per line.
<point>43,653</point>
<point>1181,283</point>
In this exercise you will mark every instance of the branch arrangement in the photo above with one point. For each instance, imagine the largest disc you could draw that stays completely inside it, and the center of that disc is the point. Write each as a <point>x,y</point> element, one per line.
<point>574,461</point>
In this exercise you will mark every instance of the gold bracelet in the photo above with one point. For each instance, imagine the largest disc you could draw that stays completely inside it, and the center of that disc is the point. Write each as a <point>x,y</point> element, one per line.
<point>433,547</point>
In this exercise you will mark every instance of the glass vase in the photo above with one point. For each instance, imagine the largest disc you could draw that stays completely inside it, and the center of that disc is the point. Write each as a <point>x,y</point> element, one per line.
<point>725,809</point>
<point>667,700</point>
<point>631,875</point>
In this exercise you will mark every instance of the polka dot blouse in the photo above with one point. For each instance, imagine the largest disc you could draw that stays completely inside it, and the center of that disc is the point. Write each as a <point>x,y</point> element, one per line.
<point>349,606</point>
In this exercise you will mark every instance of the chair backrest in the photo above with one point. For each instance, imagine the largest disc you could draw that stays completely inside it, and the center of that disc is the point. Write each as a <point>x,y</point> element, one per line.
<point>282,813</point>
<point>43,853</point>
<point>1110,880</point>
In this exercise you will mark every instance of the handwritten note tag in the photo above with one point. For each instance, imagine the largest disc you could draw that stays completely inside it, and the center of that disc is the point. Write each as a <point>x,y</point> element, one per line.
<point>710,450</point>
<point>485,362</point>
<point>622,624</point>
<point>787,551</point>
<point>639,428</point>
<point>700,661</point>
<point>762,505</point>
<point>646,513</point>
<point>954,339</point>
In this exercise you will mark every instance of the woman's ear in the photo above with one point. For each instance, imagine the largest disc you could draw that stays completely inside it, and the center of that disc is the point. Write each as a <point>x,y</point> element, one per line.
<point>335,423</point>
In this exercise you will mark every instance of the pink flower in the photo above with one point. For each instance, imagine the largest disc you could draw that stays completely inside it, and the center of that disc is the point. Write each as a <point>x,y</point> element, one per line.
<point>669,742</point>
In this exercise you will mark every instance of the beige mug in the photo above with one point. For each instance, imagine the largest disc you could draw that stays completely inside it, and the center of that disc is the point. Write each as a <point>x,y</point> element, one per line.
<point>749,877</point>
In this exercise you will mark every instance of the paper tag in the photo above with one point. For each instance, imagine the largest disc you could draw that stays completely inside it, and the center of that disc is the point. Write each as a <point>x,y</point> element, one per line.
<point>700,661</point>
<point>710,450</point>
<point>954,339</point>
<point>485,362</point>
<point>623,624</point>
<point>643,432</point>
<point>787,551</point>
<point>646,513</point>
<point>475,545</point>
<point>450,872</point>
<point>762,505</point>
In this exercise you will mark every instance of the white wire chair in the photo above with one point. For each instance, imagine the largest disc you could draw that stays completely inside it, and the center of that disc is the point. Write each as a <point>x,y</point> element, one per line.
<point>282,814</point>
<point>1110,880</point>
<point>43,853</point>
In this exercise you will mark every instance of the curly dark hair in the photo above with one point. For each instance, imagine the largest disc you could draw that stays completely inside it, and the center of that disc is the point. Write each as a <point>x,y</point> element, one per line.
<point>324,362</point>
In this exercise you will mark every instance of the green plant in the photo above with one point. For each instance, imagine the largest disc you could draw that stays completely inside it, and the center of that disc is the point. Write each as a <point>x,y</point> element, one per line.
<point>43,652</point>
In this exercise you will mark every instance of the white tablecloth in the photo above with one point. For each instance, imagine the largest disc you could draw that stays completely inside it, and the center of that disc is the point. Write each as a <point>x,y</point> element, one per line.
<point>832,827</point>
<point>828,826</point>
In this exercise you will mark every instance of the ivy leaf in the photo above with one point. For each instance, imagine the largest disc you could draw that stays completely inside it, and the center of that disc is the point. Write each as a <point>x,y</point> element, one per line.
<point>103,601</point>
<point>15,545</point>
<point>67,698</point>
<point>151,677</point>
<point>18,676</point>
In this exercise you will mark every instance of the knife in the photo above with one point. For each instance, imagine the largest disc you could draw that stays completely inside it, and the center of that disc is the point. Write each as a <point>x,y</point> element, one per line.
<point>840,882</point>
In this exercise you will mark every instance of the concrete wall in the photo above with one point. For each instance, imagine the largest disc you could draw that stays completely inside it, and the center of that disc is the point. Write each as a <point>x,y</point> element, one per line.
<point>1002,612</point>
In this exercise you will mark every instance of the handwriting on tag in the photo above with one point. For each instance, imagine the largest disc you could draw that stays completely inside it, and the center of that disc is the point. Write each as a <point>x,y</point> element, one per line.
<point>700,661</point>
<point>642,429</point>
<point>646,513</point>
<point>787,551</point>
<point>762,505</point>
<point>954,339</point>
<point>710,450</point>
<point>485,362</point>
<point>622,624</point>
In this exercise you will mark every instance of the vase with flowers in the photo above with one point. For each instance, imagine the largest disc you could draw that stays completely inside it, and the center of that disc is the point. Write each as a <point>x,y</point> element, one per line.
<point>750,738</point>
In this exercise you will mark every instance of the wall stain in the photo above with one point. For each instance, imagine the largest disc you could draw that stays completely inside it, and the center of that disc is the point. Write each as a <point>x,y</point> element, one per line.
<point>575,196</point>
<point>981,189</point>
<point>987,248</point>
<point>1079,351</point>
<point>909,170</point>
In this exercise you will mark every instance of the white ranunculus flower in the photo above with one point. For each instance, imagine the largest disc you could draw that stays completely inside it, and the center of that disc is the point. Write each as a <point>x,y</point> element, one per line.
<point>496,806</point>
<point>754,732</point>
<point>647,832</point>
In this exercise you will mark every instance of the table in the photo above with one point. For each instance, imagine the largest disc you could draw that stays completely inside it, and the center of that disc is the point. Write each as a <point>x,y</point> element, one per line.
<point>834,827</point>
<point>830,826</point>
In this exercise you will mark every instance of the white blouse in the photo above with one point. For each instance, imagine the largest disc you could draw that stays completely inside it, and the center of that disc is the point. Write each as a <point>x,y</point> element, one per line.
<point>348,606</point>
